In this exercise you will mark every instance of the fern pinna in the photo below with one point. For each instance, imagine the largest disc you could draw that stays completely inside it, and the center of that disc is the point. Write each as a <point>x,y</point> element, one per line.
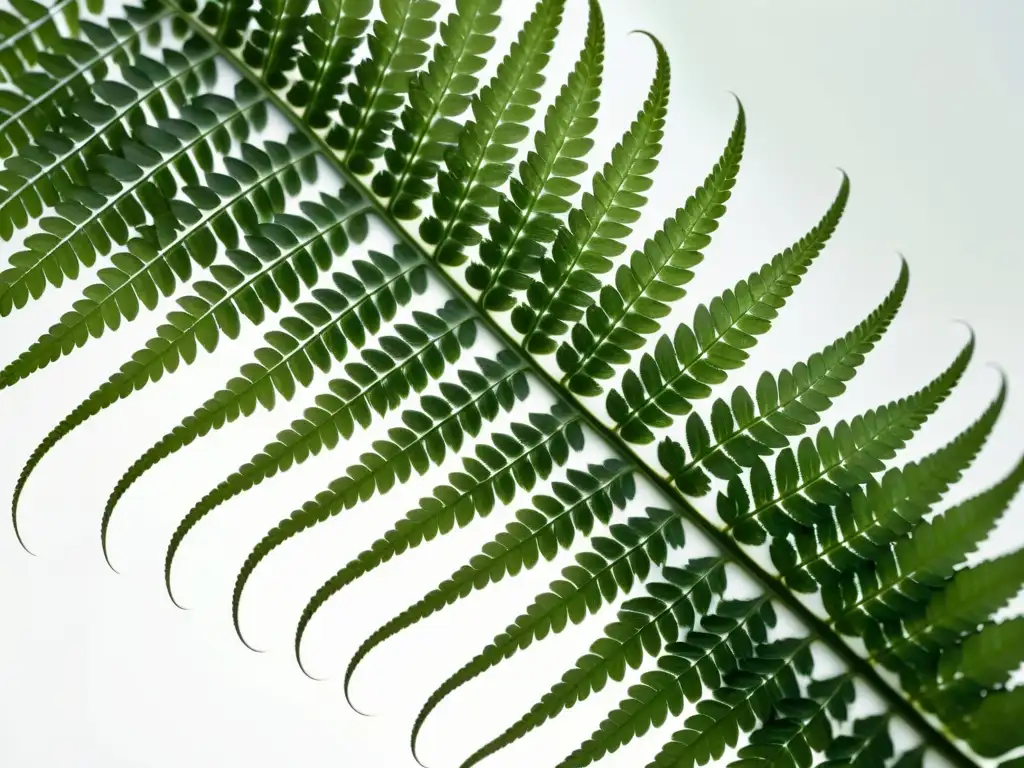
<point>139,148</point>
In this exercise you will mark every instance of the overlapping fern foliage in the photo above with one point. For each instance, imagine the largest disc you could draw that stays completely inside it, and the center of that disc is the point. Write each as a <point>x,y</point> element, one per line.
<point>136,161</point>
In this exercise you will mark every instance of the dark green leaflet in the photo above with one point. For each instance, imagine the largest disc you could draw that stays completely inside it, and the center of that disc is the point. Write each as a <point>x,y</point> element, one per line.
<point>424,440</point>
<point>540,193</point>
<point>397,49</point>
<point>271,48</point>
<point>685,367</point>
<point>919,563</point>
<point>643,625</point>
<point>685,667</point>
<point>58,252</point>
<point>630,309</point>
<point>65,73</point>
<point>478,165</point>
<point>595,230</point>
<point>18,33</point>
<point>836,460</point>
<point>331,38</point>
<point>800,725</point>
<point>874,517</point>
<point>314,340</point>
<point>786,405</point>
<point>538,532</point>
<point>405,363</point>
<point>31,178</point>
<point>144,273</point>
<point>748,694</point>
<point>218,310</point>
<point>436,95</point>
<point>492,476</point>
<point>612,567</point>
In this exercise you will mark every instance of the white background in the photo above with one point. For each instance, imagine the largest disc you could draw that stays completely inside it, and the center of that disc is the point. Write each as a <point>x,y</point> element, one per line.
<point>918,102</point>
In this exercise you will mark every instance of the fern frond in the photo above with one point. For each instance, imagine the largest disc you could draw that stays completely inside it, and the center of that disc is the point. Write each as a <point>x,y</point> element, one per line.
<point>799,726</point>
<point>424,440</point>
<point>540,192</point>
<point>403,364</point>
<point>494,475</point>
<point>597,228</point>
<point>38,175</point>
<point>119,195</point>
<point>67,70</point>
<point>685,367</point>
<point>436,95</point>
<point>786,405</point>
<point>397,48</point>
<point>314,339</point>
<point>218,309</point>
<point>611,567</point>
<point>684,669</point>
<point>906,576</point>
<point>271,47</point>
<point>748,695</point>
<point>970,598</point>
<point>643,290</point>
<point>145,274</point>
<point>836,460</point>
<point>995,728</point>
<point>31,30</point>
<point>330,39</point>
<point>538,532</point>
<point>868,745</point>
<point>874,517</point>
<point>479,163</point>
<point>644,623</point>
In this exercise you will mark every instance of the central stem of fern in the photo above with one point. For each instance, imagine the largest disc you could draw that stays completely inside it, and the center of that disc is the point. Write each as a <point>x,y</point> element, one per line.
<point>817,626</point>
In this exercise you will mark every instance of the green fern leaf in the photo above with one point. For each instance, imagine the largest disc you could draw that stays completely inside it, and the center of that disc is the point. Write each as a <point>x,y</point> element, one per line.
<point>65,71</point>
<point>928,558</point>
<point>330,39</point>
<point>436,95</point>
<point>969,599</point>
<point>403,364</point>
<point>30,24</point>
<point>271,47</point>
<point>726,635</point>
<point>314,339</point>
<point>598,577</point>
<point>540,192</point>
<point>786,405</point>
<point>538,532</point>
<point>494,475</point>
<point>631,309</point>
<point>749,694</point>
<point>995,728</point>
<point>478,165</point>
<point>801,727</point>
<point>838,459</point>
<point>686,366</point>
<point>31,179</point>
<point>72,239</point>
<point>397,48</point>
<point>968,672</point>
<point>218,309</point>
<point>873,518</point>
<point>424,440</point>
<point>869,745</point>
<point>597,228</point>
<point>643,624</point>
<point>139,278</point>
